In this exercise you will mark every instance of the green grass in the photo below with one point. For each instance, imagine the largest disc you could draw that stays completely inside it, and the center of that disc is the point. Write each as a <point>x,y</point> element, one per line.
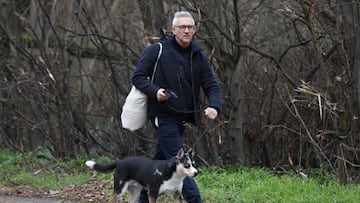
<point>257,185</point>
<point>233,184</point>
<point>21,169</point>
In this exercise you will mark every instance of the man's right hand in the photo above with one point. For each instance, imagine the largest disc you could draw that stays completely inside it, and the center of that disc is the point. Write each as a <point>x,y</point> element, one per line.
<point>161,95</point>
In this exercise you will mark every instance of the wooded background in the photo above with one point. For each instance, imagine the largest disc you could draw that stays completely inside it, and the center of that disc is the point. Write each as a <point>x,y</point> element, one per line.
<point>289,71</point>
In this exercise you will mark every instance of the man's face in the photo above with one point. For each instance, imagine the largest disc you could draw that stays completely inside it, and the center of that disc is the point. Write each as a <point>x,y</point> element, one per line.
<point>184,31</point>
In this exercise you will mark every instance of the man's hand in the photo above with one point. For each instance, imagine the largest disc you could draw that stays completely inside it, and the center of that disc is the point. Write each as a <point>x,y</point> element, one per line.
<point>211,113</point>
<point>161,95</point>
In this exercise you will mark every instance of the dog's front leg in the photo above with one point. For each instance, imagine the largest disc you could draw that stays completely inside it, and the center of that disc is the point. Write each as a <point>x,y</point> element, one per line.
<point>177,197</point>
<point>153,194</point>
<point>112,198</point>
<point>152,199</point>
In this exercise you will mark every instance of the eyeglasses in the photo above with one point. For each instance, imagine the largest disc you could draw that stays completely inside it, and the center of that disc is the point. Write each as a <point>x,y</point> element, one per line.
<point>183,27</point>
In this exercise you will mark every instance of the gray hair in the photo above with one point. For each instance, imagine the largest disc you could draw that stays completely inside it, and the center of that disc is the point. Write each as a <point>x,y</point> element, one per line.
<point>180,14</point>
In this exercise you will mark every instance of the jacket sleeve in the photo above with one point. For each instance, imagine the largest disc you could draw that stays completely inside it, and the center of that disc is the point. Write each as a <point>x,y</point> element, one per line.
<point>210,86</point>
<point>144,70</point>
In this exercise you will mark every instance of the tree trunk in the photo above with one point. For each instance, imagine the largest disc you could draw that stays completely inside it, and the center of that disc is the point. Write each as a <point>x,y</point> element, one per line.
<point>351,16</point>
<point>238,149</point>
<point>153,16</point>
<point>351,26</point>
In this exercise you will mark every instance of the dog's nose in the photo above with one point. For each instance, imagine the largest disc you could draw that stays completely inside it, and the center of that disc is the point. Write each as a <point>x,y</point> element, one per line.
<point>195,173</point>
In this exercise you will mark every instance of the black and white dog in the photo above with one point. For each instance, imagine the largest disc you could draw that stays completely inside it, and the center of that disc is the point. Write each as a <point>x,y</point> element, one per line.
<point>157,176</point>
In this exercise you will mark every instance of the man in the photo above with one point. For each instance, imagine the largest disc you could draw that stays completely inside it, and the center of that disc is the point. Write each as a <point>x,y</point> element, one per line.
<point>174,94</point>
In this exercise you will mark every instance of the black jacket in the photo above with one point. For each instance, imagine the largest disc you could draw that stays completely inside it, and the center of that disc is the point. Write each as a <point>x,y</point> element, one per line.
<point>171,74</point>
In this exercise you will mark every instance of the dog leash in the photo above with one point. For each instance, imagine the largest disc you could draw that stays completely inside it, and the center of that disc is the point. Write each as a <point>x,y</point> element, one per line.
<point>210,125</point>
<point>172,94</point>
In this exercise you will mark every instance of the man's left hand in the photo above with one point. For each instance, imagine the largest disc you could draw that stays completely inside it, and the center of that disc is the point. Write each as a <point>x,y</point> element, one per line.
<point>211,113</point>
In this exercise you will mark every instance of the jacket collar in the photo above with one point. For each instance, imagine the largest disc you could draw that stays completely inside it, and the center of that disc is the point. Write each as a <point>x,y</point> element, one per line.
<point>193,47</point>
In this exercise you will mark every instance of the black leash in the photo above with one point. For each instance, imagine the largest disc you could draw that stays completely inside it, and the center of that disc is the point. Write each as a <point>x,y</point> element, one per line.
<point>210,125</point>
<point>172,94</point>
<point>204,132</point>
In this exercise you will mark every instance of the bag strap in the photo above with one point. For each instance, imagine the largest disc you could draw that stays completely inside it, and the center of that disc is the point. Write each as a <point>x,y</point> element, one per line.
<point>157,60</point>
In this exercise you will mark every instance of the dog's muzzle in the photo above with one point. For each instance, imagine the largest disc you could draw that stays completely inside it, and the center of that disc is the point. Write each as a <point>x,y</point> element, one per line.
<point>195,173</point>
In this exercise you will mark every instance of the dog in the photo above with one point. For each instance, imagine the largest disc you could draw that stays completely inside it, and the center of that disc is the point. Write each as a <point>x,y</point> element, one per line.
<point>156,176</point>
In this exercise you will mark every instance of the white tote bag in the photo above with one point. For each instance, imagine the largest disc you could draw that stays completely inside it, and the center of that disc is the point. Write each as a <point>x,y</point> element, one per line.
<point>134,110</point>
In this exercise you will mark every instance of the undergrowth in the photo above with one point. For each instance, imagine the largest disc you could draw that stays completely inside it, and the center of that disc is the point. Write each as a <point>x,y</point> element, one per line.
<point>233,184</point>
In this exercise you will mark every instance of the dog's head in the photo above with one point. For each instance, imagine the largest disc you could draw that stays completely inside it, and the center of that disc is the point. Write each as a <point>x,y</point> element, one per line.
<point>184,163</point>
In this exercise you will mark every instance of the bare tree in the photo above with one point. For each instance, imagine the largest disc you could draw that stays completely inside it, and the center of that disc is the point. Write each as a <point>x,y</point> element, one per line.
<point>288,70</point>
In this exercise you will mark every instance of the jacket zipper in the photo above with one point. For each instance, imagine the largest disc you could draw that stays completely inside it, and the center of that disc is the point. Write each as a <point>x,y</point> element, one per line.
<point>179,81</point>
<point>192,79</point>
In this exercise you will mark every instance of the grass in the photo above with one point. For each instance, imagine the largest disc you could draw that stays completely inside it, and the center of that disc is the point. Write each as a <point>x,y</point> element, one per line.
<point>20,169</point>
<point>233,184</point>
<point>257,185</point>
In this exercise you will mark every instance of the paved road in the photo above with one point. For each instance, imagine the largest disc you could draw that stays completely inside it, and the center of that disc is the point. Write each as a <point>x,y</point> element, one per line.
<point>8,199</point>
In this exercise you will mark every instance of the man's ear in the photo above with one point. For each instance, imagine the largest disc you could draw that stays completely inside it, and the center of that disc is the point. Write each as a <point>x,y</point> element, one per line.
<point>173,30</point>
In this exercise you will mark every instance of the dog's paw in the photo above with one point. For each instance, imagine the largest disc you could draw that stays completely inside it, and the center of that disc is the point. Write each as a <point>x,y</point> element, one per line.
<point>90,164</point>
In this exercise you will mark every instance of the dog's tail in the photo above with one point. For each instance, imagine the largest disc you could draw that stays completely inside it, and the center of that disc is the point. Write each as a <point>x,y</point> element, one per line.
<point>101,168</point>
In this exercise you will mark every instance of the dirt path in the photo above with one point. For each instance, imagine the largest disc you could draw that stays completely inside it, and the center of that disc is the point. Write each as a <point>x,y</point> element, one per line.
<point>91,191</point>
<point>8,199</point>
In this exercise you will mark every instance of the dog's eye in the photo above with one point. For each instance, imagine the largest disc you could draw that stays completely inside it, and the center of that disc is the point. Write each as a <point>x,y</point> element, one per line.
<point>186,165</point>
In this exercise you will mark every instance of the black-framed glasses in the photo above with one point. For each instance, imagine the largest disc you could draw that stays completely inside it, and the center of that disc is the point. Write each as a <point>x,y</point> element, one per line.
<point>184,27</point>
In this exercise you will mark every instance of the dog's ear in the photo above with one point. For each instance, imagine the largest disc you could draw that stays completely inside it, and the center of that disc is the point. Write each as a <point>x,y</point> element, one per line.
<point>180,153</point>
<point>189,151</point>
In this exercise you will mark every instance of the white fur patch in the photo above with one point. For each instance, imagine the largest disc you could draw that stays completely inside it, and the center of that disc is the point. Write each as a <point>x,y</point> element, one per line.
<point>157,172</point>
<point>175,183</point>
<point>90,164</point>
